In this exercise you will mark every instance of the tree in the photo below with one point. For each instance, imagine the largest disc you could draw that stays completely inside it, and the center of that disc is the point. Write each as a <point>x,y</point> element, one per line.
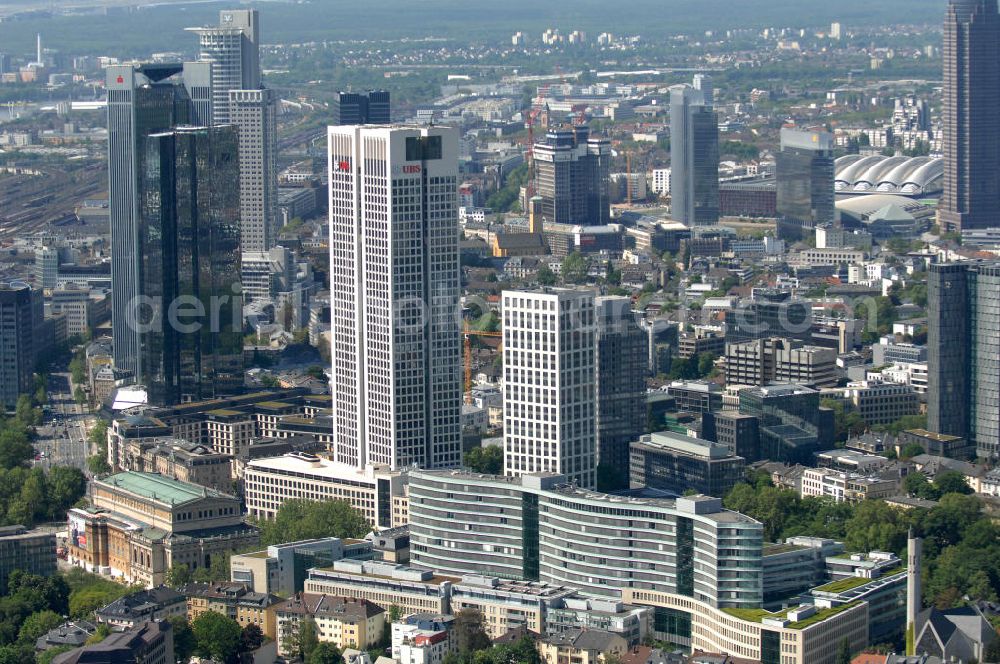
<point>916,485</point>
<point>952,481</point>
<point>251,638</point>
<point>103,631</point>
<point>325,653</point>
<point>395,613</point>
<point>41,592</point>
<point>179,575</point>
<point>38,624</point>
<point>308,639</point>
<point>46,656</point>
<point>546,277</point>
<point>66,485</point>
<point>217,636</point>
<point>301,519</point>
<point>706,363</point>
<point>470,634</point>
<point>487,460</point>
<point>910,451</point>
<point>184,639</point>
<point>844,652</point>
<point>15,447</point>
<point>575,268</point>
<point>98,465</point>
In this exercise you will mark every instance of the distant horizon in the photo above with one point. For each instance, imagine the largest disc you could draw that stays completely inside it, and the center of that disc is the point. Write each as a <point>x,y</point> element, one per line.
<point>335,20</point>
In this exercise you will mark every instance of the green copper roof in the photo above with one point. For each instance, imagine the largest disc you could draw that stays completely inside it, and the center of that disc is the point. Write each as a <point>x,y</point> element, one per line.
<point>157,487</point>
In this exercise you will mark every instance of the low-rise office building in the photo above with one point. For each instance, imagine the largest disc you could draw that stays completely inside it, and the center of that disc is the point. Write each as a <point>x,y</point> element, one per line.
<point>269,482</point>
<point>938,444</point>
<point>29,551</point>
<point>696,396</point>
<point>283,568</point>
<point>803,635</point>
<point>579,612</point>
<point>507,605</point>
<point>737,431</point>
<point>412,590</point>
<point>776,360</point>
<point>671,462</point>
<point>796,565</point>
<point>881,403</point>
<point>541,528</point>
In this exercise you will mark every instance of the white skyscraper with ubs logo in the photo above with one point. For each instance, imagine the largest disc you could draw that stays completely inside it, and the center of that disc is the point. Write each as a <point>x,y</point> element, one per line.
<point>394,295</point>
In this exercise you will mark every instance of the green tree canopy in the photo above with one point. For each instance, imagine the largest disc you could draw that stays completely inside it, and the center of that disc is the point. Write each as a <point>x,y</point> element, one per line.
<point>575,268</point>
<point>487,460</point>
<point>301,519</point>
<point>217,636</point>
<point>325,653</point>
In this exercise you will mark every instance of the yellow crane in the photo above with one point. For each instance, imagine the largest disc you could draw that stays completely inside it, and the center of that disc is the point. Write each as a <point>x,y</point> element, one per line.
<point>469,333</point>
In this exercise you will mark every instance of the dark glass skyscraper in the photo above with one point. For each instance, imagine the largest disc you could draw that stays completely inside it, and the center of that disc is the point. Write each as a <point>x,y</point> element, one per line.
<point>963,353</point>
<point>622,367</point>
<point>357,108</point>
<point>142,99</point>
<point>694,158</point>
<point>805,171</point>
<point>572,175</point>
<point>970,119</point>
<point>20,316</point>
<point>189,240</point>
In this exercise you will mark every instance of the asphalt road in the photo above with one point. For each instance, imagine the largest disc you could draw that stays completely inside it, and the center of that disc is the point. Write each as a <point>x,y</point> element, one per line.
<point>62,438</point>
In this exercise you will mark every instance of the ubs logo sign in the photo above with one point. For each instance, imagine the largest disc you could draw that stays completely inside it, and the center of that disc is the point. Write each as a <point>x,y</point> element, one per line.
<point>410,170</point>
<point>407,169</point>
<point>227,18</point>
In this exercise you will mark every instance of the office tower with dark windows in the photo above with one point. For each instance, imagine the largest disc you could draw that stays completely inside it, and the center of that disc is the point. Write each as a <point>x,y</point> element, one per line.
<point>963,359</point>
<point>969,117</point>
<point>804,170</point>
<point>572,175</point>
<point>622,367</point>
<point>254,113</point>
<point>694,157</point>
<point>358,108</point>
<point>20,312</point>
<point>792,426</point>
<point>143,99</point>
<point>189,238</point>
<point>550,381</point>
<point>233,49</point>
<point>394,296</point>
<point>770,313</point>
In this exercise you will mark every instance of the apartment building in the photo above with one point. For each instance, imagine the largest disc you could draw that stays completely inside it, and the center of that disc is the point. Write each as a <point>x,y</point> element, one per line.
<point>341,621</point>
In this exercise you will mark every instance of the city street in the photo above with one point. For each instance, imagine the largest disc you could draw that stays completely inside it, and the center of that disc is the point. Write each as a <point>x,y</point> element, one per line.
<point>62,436</point>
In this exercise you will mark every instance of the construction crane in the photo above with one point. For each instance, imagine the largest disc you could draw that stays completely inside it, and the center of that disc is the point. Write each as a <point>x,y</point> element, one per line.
<point>469,333</point>
<point>537,107</point>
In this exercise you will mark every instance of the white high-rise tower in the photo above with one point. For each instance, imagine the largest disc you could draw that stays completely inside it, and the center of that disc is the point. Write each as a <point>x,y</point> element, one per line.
<point>394,296</point>
<point>254,112</point>
<point>233,48</point>
<point>550,384</point>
